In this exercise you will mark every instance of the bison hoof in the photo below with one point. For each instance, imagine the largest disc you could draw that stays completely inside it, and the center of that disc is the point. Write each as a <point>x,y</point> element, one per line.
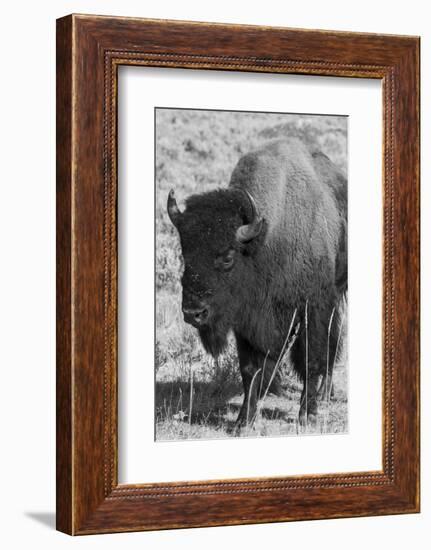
<point>307,421</point>
<point>239,427</point>
<point>323,396</point>
<point>236,430</point>
<point>312,420</point>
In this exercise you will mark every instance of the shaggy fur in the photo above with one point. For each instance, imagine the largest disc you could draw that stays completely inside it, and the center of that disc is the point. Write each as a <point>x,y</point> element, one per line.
<point>297,262</point>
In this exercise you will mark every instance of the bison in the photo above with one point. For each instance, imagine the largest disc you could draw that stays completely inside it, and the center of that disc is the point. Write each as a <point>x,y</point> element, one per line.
<point>266,253</point>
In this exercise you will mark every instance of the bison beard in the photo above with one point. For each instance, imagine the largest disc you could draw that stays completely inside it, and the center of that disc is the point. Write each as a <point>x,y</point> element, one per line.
<point>214,340</point>
<point>214,336</point>
<point>284,216</point>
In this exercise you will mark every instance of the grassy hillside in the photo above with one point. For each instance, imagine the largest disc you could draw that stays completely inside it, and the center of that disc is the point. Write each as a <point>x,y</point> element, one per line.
<point>196,151</point>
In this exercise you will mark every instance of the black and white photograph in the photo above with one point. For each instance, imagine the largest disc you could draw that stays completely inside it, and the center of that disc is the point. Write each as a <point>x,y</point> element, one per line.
<point>215,275</point>
<point>251,274</point>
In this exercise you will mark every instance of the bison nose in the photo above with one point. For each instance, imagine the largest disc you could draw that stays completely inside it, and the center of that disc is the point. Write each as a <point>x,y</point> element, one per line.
<point>196,317</point>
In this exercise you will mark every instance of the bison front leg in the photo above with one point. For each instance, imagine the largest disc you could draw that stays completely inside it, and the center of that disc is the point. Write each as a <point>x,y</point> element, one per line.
<point>309,399</point>
<point>248,365</point>
<point>249,406</point>
<point>326,390</point>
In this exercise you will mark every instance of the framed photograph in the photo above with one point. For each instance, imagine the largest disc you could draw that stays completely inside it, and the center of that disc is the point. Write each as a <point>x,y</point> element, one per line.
<point>237,274</point>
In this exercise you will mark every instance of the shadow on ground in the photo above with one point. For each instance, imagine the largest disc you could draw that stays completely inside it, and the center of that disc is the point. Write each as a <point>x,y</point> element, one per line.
<point>214,409</point>
<point>44,518</point>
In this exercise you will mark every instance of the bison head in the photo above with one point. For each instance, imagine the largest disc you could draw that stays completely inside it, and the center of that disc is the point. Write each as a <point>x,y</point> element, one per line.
<point>219,232</point>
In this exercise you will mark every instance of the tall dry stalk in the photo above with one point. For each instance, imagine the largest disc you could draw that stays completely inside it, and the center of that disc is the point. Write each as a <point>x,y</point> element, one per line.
<point>327,351</point>
<point>340,332</point>
<point>191,396</point>
<point>249,396</point>
<point>306,364</point>
<point>326,416</point>
<point>263,374</point>
<point>328,387</point>
<point>287,345</point>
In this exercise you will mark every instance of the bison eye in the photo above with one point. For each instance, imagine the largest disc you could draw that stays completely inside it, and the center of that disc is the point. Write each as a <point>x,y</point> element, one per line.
<point>225,261</point>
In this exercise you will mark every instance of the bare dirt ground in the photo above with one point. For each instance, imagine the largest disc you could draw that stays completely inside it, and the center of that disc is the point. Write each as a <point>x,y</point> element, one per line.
<point>196,151</point>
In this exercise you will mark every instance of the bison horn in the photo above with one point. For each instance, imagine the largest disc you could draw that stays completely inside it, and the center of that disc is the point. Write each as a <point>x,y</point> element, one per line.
<point>173,210</point>
<point>246,233</point>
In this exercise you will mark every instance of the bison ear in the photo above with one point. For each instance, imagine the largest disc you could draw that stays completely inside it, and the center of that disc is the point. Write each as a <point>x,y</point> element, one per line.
<point>246,233</point>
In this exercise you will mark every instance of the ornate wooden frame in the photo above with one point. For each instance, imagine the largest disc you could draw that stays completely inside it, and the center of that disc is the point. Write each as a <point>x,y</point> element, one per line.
<point>89,51</point>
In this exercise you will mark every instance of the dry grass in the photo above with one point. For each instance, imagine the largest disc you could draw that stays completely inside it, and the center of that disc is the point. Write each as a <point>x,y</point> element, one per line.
<point>196,151</point>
